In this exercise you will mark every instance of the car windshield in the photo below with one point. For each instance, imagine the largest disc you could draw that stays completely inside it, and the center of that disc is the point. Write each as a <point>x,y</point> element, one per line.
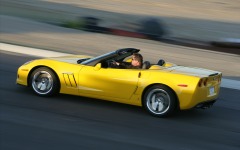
<point>96,58</point>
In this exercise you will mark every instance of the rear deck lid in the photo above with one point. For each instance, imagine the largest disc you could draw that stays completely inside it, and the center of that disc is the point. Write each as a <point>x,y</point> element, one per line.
<point>193,71</point>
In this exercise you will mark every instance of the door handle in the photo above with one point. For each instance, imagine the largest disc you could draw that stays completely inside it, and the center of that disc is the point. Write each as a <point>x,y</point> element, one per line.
<point>139,74</point>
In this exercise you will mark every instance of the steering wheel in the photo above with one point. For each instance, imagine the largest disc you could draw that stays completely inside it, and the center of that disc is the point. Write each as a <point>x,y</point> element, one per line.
<point>112,63</point>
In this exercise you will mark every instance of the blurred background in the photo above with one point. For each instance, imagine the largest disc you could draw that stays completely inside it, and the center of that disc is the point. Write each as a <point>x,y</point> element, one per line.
<point>198,21</point>
<point>155,26</point>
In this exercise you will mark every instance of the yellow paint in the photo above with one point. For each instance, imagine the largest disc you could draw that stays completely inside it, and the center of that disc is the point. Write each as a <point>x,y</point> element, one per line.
<point>124,85</point>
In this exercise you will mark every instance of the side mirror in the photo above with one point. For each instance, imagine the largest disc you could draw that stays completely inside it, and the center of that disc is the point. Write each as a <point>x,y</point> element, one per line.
<point>98,66</point>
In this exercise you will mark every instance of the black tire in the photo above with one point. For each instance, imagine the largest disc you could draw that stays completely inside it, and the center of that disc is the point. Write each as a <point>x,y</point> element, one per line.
<point>160,101</point>
<point>44,82</point>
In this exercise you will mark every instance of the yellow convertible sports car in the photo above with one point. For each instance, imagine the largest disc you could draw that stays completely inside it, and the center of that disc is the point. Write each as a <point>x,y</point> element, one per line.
<point>161,88</point>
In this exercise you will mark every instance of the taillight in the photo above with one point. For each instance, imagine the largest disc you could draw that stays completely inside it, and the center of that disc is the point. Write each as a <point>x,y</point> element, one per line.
<point>220,78</point>
<point>205,82</point>
<point>200,82</point>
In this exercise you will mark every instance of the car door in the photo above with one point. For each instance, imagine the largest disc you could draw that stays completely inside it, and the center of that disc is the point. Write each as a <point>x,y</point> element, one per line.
<point>108,82</point>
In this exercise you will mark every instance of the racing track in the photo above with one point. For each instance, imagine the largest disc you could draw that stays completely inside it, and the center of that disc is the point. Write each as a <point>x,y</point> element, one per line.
<point>70,122</point>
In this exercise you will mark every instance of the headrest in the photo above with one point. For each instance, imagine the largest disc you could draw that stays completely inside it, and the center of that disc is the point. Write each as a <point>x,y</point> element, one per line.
<point>146,65</point>
<point>161,62</point>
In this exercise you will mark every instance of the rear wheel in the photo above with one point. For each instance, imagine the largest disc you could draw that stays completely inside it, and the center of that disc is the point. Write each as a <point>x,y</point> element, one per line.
<point>44,82</point>
<point>160,101</point>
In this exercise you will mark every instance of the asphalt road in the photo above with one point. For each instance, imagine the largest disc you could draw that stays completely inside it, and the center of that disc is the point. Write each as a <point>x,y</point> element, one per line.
<point>69,122</point>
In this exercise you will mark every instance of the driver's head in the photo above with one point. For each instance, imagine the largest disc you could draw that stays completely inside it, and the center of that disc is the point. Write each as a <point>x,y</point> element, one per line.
<point>137,59</point>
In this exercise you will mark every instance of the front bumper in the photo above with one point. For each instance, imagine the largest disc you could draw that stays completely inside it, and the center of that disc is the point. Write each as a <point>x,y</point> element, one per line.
<point>22,76</point>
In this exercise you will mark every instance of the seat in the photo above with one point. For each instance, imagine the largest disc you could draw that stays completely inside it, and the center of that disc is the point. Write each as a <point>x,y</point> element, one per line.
<point>146,65</point>
<point>161,62</point>
<point>155,67</point>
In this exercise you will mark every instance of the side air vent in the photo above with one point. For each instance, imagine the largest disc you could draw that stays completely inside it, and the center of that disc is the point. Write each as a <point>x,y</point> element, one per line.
<point>70,80</point>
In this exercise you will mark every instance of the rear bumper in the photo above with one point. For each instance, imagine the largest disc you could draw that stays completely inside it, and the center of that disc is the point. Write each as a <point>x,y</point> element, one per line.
<point>200,98</point>
<point>205,105</point>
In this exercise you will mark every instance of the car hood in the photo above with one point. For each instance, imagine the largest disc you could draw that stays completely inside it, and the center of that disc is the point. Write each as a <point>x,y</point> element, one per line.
<point>73,59</point>
<point>193,71</point>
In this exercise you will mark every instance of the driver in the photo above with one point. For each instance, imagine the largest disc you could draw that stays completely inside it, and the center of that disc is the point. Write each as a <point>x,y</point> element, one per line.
<point>136,62</point>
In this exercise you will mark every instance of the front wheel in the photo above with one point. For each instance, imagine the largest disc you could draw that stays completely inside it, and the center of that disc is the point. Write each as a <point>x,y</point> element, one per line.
<point>160,101</point>
<point>44,82</point>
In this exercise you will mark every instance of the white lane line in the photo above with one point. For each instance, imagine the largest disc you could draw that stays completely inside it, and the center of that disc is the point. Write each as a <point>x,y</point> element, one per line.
<point>226,83</point>
<point>30,51</point>
<point>232,84</point>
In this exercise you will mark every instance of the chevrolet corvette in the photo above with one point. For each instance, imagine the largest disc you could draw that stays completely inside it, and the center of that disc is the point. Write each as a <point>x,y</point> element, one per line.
<point>160,88</point>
